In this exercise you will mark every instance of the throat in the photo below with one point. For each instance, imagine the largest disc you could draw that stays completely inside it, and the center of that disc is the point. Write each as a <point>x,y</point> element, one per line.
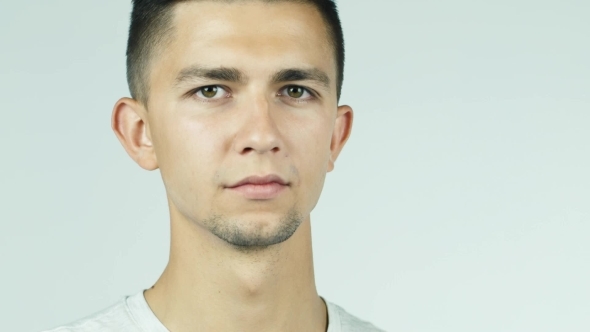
<point>204,288</point>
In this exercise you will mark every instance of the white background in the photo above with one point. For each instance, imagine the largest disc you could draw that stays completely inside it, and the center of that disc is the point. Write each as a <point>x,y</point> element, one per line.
<point>461,203</point>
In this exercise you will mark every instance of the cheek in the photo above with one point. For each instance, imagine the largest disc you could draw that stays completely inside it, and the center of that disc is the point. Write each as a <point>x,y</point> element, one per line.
<point>311,153</point>
<point>186,155</point>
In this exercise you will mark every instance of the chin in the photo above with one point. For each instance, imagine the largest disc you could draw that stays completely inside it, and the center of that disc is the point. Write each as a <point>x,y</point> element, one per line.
<point>261,230</point>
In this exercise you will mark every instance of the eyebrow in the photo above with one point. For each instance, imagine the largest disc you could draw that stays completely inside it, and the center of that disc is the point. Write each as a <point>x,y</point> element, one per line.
<point>235,75</point>
<point>219,74</point>
<point>296,74</point>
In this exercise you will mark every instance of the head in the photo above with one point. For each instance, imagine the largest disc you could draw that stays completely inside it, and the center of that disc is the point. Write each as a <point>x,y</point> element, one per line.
<point>236,102</point>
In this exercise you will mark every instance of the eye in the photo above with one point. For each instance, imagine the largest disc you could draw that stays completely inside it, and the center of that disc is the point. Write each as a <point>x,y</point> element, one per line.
<point>211,92</point>
<point>296,92</point>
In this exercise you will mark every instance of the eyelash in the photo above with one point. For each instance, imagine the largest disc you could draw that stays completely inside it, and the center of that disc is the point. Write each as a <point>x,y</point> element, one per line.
<point>312,93</point>
<point>297,100</point>
<point>194,92</point>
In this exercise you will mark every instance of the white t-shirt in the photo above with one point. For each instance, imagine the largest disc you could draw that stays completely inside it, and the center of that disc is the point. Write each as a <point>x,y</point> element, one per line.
<point>133,314</point>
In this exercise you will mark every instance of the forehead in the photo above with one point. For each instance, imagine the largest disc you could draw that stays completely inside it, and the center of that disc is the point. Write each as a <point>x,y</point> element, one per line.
<point>254,36</point>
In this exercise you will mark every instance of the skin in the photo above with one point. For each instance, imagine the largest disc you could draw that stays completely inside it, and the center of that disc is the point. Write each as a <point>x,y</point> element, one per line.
<point>251,127</point>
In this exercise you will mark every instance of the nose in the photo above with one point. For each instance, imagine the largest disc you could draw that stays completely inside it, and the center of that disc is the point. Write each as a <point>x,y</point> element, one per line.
<point>259,132</point>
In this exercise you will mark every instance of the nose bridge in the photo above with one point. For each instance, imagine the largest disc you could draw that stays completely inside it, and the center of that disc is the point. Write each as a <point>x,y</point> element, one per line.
<point>260,105</point>
<point>259,130</point>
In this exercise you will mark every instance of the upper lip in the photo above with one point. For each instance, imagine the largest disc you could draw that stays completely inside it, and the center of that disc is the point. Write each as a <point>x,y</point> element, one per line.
<point>259,180</point>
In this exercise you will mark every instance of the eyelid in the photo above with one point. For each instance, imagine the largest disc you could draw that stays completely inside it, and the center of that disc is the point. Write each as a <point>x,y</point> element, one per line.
<point>313,94</point>
<point>193,92</point>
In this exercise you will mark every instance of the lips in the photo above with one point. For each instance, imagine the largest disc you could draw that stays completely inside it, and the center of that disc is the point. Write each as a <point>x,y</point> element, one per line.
<point>260,187</point>
<point>260,180</point>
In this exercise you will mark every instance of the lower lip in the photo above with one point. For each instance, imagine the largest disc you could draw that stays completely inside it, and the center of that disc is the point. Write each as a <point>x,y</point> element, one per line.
<point>260,191</point>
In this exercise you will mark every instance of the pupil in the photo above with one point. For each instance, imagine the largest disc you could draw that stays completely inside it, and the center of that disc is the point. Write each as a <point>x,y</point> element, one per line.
<point>295,92</point>
<point>210,91</point>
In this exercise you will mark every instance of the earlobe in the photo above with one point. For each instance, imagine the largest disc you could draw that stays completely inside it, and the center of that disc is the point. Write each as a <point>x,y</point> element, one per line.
<point>129,122</point>
<point>342,131</point>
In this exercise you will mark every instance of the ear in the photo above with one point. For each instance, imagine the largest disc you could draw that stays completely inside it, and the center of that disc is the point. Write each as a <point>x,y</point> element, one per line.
<point>342,130</point>
<point>129,122</point>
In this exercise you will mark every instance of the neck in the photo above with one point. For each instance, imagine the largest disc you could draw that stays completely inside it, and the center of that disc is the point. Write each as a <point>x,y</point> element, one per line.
<point>210,286</point>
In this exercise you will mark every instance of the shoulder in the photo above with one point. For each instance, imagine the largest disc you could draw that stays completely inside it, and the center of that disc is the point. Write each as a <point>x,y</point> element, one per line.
<point>111,319</point>
<point>341,321</point>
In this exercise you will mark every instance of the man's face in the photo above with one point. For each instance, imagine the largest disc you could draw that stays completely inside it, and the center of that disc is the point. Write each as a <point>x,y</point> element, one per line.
<point>239,91</point>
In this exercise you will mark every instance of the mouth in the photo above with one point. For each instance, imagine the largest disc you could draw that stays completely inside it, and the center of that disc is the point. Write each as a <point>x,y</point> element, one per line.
<point>260,187</point>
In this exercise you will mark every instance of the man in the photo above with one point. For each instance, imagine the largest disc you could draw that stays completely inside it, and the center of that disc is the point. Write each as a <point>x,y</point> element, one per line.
<point>236,102</point>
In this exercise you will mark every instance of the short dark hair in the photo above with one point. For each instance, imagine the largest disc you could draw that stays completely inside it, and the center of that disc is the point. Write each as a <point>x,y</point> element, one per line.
<point>151,23</point>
